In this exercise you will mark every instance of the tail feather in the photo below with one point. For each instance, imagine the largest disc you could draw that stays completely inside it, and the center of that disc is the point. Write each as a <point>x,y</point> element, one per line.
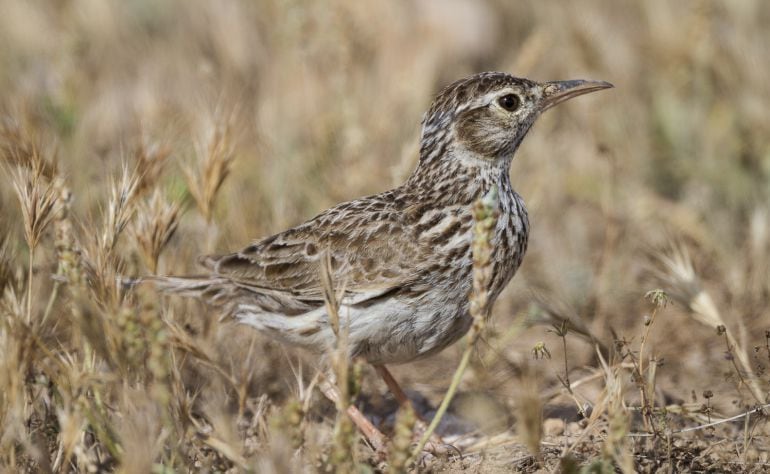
<point>221,293</point>
<point>193,286</point>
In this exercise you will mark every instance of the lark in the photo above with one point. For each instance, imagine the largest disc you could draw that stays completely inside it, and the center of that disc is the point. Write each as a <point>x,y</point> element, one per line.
<point>403,257</point>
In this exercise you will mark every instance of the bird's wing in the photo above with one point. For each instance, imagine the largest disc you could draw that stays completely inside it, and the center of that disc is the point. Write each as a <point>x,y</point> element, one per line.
<point>373,247</point>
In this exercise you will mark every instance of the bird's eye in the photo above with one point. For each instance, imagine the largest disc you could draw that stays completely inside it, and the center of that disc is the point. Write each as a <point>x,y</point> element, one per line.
<point>509,102</point>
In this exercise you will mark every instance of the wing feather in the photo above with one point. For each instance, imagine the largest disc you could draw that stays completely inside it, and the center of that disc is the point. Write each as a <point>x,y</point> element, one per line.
<point>370,248</point>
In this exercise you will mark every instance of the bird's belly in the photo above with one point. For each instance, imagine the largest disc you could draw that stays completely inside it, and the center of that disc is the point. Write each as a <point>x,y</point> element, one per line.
<point>393,331</point>
<point>396,333</point>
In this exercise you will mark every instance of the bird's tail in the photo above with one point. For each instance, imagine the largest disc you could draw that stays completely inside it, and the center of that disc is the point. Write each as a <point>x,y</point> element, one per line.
<point>193,286</point>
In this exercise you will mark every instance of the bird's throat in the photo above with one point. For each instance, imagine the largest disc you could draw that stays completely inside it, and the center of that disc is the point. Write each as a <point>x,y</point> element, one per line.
<point>461,178</point>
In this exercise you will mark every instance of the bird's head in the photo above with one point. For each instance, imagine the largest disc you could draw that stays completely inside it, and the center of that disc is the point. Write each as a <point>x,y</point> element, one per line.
<point>485,117</point>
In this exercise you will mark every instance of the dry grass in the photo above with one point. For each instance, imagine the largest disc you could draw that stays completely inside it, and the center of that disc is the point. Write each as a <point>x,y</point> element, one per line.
<point>135,136</point>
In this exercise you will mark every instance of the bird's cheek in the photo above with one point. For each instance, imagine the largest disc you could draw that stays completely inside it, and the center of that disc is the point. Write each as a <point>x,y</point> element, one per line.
<point>474,133</point>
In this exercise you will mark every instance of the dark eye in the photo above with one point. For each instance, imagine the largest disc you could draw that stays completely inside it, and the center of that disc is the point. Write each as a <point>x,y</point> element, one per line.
<point>509,102</point>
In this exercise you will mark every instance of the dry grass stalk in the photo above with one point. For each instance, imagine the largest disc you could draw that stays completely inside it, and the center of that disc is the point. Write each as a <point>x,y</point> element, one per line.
<point>181,340</point>
<point>529,412</point>
<point>120,209</point>
<point>215,154</point>
<point>609,415</point>
<point>342,457</point>
<point>156,222</point>
<point>289,421</point>
<point>400,450</point>
<point>561,330</point>
<point>102,263</point>
<point>67,256</point>
<point>18,147</point>
<point>73,424</point>
<point>150,160</point>
<point>485,212</point>
<point>6,264</point>
<point>17,347</point>
<point>37,198</point>
<point>613,404</point>
<point>646,380</point>
<point>140,431</point>
<point>679,275</point>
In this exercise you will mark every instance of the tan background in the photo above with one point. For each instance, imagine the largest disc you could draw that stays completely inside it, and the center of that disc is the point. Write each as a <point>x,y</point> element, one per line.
<point>326,100</point>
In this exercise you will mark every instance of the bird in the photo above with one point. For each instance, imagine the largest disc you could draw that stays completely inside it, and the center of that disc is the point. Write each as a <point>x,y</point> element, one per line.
<point>401,259</point>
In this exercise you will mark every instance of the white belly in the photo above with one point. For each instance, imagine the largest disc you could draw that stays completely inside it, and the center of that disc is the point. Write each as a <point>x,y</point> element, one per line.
<point>388,332</point>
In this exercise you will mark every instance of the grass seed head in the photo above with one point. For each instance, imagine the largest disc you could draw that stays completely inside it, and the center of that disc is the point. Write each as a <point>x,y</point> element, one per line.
<point>400,449</point>
<point>155,224</point>
<point>120,209</point>
<point>150,162</point>
<point>214,157</point>
<point>37,198</point>
<point>529,411</point>
<point>6,264</point>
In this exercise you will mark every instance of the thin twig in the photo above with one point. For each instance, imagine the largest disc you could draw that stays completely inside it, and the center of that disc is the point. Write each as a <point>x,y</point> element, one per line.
<point>51,300</point>
<point>758,409</point>
<point>29,285</point>
<point>659,299</point>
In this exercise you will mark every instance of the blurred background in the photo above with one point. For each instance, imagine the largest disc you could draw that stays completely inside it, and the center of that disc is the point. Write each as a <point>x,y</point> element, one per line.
<point>662,182</point>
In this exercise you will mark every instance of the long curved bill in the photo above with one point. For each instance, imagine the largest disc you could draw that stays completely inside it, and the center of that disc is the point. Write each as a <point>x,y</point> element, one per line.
<point>556,92</point>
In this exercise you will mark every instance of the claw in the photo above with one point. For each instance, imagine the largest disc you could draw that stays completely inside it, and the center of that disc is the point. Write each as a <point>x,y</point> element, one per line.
<point>442,450</point>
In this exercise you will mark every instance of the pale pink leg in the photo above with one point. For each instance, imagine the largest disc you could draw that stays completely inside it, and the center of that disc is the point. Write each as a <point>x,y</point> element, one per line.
<point>370,432</point>
<point>436,444</point>
<point>393,386</point>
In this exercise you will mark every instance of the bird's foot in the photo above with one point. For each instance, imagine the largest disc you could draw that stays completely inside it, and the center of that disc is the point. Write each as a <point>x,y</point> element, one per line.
<point>435,446</point>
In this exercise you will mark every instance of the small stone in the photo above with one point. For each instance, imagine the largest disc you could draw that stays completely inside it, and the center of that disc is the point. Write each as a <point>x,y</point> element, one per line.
<point>553,427</point>
<point>574,428</point>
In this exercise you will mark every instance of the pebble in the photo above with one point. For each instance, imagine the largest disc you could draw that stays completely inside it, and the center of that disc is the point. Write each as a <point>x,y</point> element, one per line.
<point>553,427</point>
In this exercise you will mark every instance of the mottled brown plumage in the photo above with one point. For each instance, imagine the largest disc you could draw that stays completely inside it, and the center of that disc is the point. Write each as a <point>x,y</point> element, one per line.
<point>402,256</point>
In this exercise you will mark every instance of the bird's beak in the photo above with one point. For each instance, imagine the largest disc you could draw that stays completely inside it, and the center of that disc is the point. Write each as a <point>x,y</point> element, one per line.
<point>556,92</point>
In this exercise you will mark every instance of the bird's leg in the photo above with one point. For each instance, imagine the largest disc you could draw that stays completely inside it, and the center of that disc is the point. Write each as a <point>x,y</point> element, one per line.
<point>370,432</point>
<point>376,439</point>
<point>436,444</point>
<point>394,387</point>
